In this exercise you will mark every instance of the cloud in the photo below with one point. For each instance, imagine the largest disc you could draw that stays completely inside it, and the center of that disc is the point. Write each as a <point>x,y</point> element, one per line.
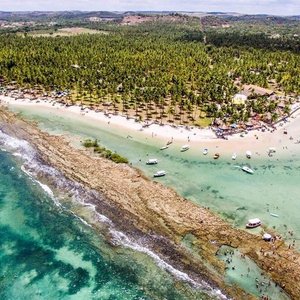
<point>281,7</point>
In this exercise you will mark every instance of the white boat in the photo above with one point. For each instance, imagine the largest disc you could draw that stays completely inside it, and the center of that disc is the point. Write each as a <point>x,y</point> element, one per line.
<point>205,151</point>
<point>234,156</point>
<point>159,173</point>
<point>164,147</point>
<point>152,161</point>
<point>247,170</point>
<point>252,223</point>
<point>267,237</point>
<point>185,148</point>
<point>248,154</point>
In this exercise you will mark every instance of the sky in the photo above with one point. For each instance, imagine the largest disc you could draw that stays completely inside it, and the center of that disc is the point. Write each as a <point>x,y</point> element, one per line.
<point>277,7</point>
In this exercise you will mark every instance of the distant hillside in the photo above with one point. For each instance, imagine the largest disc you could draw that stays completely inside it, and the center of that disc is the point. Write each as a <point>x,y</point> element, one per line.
<point>208,18</point>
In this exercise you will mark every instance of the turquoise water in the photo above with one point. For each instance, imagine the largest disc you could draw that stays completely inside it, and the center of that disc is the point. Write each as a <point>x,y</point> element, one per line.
<point>46,252</point>
<point>220,185</point>
<point>270,194</point>
<point>242,271</point>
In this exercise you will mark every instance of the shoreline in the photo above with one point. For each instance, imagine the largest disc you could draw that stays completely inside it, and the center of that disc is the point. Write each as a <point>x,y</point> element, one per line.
<point>257,141</point>
<point>152,208</point>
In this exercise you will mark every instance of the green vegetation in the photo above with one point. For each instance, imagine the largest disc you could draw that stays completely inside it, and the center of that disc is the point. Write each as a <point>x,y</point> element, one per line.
<point>104,152</point>
<point>167,71</point>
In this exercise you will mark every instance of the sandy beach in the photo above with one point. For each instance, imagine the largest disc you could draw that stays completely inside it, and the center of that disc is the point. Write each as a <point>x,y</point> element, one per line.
<point>284,137</point>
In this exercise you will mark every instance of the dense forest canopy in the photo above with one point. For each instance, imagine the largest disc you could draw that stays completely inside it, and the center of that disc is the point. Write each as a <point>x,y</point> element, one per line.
<point>173,65</point>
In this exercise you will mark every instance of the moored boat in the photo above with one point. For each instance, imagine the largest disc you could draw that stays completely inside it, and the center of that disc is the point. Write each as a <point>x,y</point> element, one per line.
<point>185,148</point>
<point>152,161</point>
<point>253,223</point>
<point>234,156</point>
<point>160,173</point>
<point>247,170</point>
<point>164,147</point>
<point>216,156</point>
<point>205,151</point>
<point>248,154</point>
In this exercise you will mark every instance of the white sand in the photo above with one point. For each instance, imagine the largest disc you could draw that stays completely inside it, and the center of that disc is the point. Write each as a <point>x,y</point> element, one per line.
<point>257,142</point>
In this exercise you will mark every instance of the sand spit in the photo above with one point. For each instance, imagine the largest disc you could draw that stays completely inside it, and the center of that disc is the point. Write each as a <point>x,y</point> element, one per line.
<point>134,202</point>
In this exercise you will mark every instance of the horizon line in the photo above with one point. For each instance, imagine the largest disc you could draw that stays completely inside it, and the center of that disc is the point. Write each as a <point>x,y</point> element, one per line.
<point>153,11</point>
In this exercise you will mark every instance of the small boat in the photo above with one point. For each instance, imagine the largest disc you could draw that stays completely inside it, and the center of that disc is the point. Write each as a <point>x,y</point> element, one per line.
<point>267,237</point>
<point>274,215</point>
<point>164,147</point>
<point>234,156</point>
<point>253,223</point>
<point>247,170</point>
<point>159,173</point>
<point>216,156</point>
<point>151,161</point>
<point>185,148</point>
<point>169,142</point>
<point>248,154</point>
<point>205,151</point>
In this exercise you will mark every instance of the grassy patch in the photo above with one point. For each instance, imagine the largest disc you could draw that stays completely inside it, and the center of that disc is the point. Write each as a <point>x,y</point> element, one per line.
<point>103,152</point>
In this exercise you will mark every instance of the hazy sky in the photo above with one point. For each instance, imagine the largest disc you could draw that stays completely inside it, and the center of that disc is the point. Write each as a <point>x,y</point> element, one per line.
<point>279,7</point>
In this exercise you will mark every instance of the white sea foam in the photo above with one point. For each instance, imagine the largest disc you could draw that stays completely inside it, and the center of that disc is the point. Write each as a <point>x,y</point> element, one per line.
<point>20,147</point>
<point>121,239</point>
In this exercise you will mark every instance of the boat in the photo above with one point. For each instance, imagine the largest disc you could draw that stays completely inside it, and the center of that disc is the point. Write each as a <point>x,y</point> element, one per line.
<point>151,161</point>
<point>274,215</point>
<point>216,156</point>
<point>164,147</point>
<point>205,151</point>
<point>159,173</point>
<point>253,223</point>
<point>267,237</point>
<point>247,170</point>
<point>248,154</point>
<point>185,148</point>
<point>234,156</point>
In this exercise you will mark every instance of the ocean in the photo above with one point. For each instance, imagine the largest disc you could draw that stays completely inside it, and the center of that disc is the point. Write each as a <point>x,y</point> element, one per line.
<point>48,252</point>
<point>270,194</point>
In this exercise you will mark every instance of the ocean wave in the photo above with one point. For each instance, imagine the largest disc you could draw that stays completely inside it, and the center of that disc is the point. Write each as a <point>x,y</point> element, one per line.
<point>121,239</point>
<point>20,147</point>
<point>33,168</point>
